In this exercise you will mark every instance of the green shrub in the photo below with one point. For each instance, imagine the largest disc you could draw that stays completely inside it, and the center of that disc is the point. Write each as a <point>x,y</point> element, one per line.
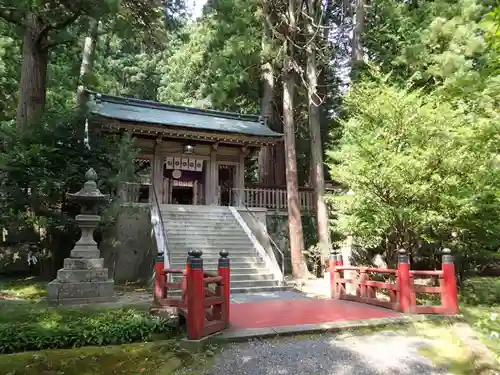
<point>51,329</point>
<point>481,291</point>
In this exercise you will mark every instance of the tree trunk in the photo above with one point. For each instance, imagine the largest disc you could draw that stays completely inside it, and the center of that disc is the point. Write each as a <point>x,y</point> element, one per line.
<point>87,64</point>
<point>299,268</point>
<point>279,178</point>
<point>32,86</point>
<point>266,165</point>
<point>317,170</point>
<point>357,33</point>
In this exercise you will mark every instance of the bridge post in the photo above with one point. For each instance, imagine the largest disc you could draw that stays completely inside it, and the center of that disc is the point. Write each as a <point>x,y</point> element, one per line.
<point>224,271</point>
<point>340,260</point>
<point>196,296</point>
<point>332,262</point>
<point>403,280</point>
<point>159,278</point>
<point>449,288</point>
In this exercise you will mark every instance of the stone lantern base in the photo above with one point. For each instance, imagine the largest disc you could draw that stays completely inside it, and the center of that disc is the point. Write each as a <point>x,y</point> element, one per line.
<point>83,278</point>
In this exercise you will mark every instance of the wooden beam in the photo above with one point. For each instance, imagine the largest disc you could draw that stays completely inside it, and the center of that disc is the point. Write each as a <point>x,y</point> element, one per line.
<point>149,130</point>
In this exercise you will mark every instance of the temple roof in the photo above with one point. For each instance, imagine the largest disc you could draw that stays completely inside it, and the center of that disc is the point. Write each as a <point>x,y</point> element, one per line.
<point>176,116</point>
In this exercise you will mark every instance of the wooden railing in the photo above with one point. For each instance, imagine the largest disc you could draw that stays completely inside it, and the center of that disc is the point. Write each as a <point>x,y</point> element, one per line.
<point>132,192</point>
<point>271,198</point>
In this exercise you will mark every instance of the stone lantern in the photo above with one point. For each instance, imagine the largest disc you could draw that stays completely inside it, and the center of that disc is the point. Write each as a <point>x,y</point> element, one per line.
<point>83,279</point>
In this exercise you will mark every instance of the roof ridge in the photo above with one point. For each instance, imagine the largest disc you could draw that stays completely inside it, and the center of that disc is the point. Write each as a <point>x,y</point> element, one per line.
<point>173,107</point>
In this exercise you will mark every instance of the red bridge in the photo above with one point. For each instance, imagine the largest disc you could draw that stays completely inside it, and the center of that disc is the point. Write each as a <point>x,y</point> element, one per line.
<point>205,303</point>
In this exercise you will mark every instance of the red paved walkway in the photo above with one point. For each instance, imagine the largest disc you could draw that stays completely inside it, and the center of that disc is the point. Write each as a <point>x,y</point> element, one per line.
<point>279,313</point>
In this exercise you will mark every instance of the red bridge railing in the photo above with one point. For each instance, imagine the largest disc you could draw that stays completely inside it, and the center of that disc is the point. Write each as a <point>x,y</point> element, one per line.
<point>399,288</point>
<point>205,296</point>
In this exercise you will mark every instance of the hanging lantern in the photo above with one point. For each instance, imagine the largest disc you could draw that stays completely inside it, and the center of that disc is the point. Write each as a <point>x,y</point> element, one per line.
<point>188,149</point>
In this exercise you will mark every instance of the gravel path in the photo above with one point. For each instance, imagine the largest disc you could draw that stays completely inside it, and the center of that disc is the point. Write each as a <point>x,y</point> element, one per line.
<point>386,353</point>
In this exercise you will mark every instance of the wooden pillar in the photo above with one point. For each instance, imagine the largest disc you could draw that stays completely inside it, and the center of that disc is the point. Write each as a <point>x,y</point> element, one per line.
<point>240,178</point>
<point>212,182</point>
<point>158,170</point>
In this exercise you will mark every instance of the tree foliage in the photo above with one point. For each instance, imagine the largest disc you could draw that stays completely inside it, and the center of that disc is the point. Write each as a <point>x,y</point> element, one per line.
<point>430,68</point>
<point>420,146</point>
<point>419,170</point>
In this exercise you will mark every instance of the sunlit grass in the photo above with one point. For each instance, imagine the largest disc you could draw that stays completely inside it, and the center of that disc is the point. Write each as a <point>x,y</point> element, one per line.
<point>480,298</point>
<point>481,320</point>
<point>29,288</point>
<point>161,358</point>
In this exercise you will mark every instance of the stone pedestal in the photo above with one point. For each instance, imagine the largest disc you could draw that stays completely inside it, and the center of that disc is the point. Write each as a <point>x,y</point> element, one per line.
<point>83,278</point>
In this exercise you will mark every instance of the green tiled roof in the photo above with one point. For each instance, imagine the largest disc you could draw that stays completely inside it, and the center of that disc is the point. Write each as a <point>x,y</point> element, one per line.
<point>143,111</point>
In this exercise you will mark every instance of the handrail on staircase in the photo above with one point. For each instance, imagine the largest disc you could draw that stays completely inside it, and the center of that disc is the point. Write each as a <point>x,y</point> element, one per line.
<point>271,241</point>
<point>159,228</point>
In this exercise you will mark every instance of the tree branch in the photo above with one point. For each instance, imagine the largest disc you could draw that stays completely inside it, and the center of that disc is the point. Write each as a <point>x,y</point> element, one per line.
<point>64,23</point>
<point>54,43</point>
<point>57,26</point>
<point>9,15</point>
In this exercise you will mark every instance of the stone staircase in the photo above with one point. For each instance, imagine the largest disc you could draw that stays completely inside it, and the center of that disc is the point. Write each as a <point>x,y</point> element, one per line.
<point>212,229</point>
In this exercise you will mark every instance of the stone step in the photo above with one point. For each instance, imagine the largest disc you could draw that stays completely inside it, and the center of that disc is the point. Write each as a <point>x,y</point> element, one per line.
<point>197,237</point>
<point>257,269</point>
<point>197,218</point>
<point>57,290</point>
<point>247,287</point>
<point>174,259</point>
<point>200,224</point>
<point>245,277</point>
<point>236,250</point>
<point>186,208</point>
<point>210,248</point>
<point>258,289</point>
<point>212,229</point>
<point>190,231</point>
<point>191,240</point>
<point>75,276</point>
<point>180,221</point>
<point>248,257</point>
<point>212,252</point>
<point>198,214</point>
<point>253,283</point>
<point>236,271</point>
<point>83,264</point>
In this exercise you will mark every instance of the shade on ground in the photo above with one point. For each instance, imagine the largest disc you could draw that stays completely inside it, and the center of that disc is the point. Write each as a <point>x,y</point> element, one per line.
<point>291,308</point>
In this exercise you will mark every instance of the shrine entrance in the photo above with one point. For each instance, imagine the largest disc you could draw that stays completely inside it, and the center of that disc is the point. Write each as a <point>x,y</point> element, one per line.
<point>183,181</point>
<point>182,195</point>
<point>227,176</point>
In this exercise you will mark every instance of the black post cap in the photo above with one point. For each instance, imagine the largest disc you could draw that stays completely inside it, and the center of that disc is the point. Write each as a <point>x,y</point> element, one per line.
<point>196,253</point>
<point>403,256</point>
<point>194,260</point>
<point>224,253</point>
<point>447,257</point>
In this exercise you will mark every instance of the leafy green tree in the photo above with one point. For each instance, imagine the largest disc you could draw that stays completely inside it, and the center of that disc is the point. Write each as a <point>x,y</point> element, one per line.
<point>217,62</point>
<point>42,25</point>
<point>39,166</point>
<point>424,173</point>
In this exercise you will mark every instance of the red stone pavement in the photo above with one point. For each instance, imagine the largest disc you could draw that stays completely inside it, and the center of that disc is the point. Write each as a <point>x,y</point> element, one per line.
<point>276,313</point>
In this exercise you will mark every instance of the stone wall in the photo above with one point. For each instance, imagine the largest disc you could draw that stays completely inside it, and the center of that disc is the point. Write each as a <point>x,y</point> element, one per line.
<point>128,246</point>
<point>257,222</point>
<point>277,227</point>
